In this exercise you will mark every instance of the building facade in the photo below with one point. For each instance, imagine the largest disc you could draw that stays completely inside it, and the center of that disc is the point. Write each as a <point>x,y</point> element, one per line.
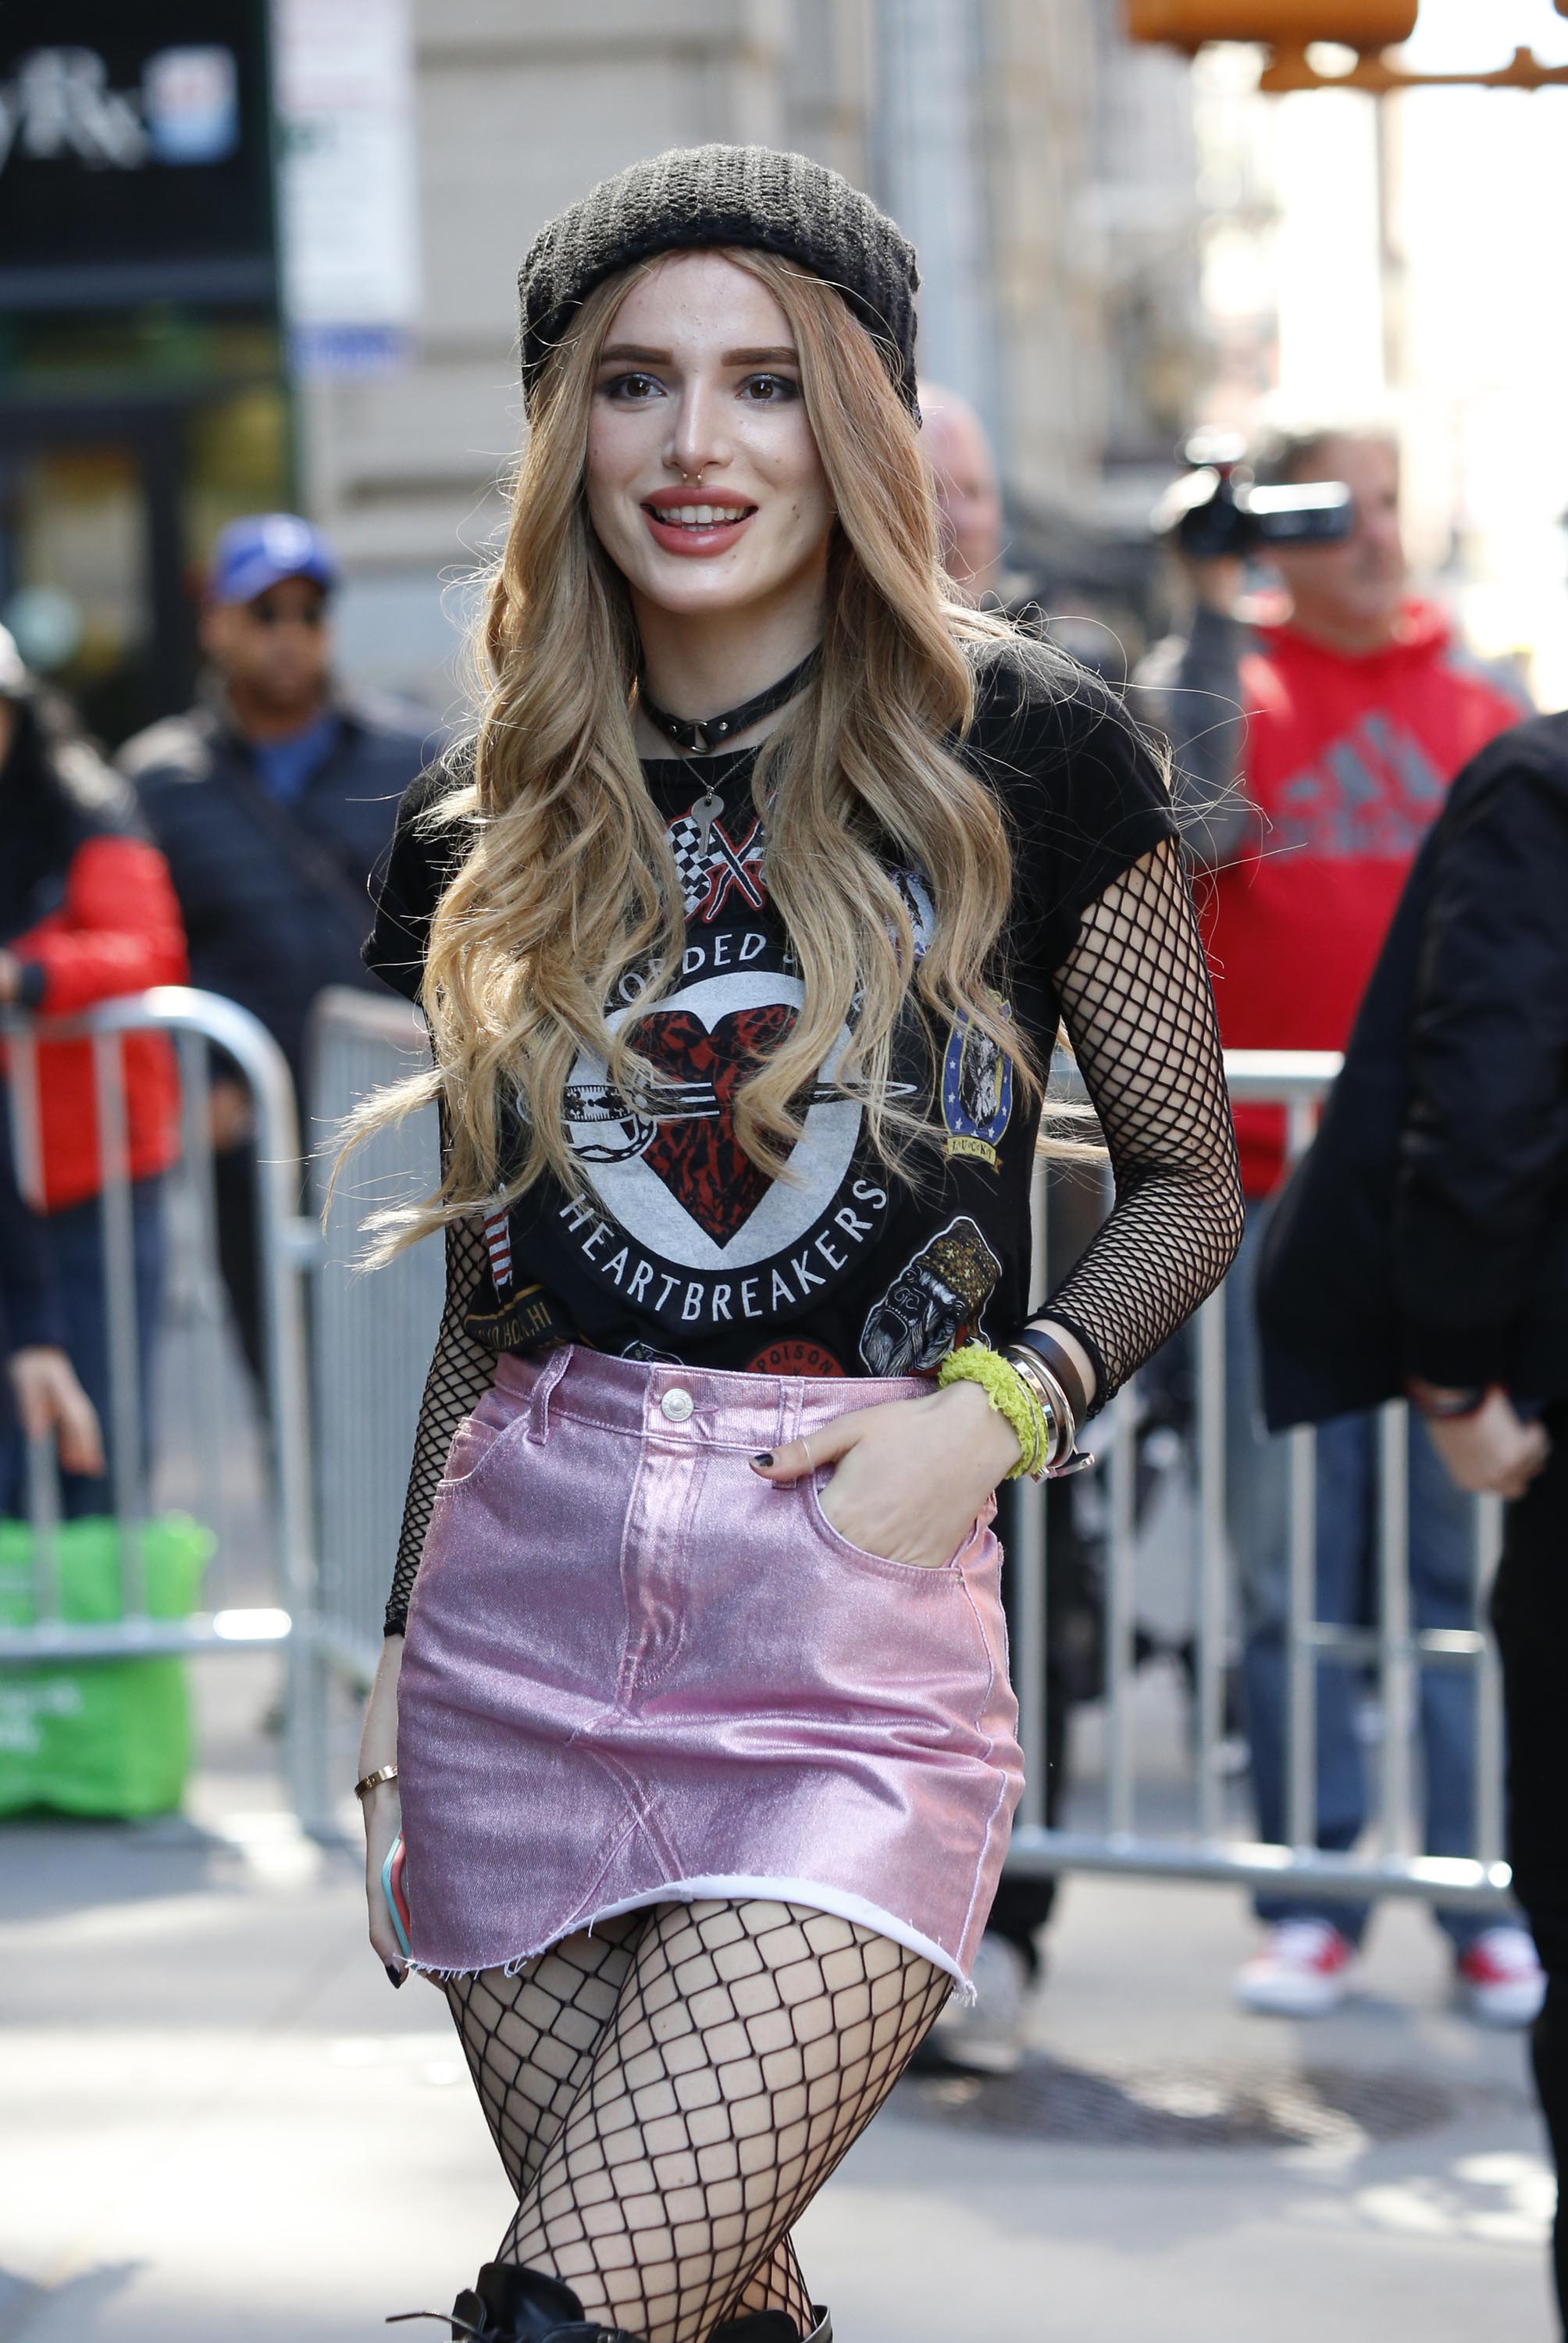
<point>1043,168</point>
<point>163,170</point>
<point>143,399</point>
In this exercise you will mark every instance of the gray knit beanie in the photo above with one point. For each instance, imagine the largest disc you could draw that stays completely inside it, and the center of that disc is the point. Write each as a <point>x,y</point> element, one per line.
<point>696,196</point>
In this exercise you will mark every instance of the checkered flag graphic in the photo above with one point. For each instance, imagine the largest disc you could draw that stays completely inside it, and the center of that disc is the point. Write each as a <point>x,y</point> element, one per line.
<point>694,868</point>
<point>706,878</point>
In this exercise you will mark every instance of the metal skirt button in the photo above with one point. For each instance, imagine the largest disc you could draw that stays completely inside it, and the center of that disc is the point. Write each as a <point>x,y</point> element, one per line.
<point>676,1405</point>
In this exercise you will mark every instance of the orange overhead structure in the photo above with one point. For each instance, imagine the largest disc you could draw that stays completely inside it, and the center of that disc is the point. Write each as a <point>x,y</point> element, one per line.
<point>1287,29</point>
<point>1365,24</point>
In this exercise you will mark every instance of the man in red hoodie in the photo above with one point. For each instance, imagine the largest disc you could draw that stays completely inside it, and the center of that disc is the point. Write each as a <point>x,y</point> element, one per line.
<point>1313,751</point>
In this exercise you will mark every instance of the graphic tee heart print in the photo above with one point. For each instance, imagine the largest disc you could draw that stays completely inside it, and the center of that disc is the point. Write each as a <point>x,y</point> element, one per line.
<point>674,1245</point>
<point>674,1222</point>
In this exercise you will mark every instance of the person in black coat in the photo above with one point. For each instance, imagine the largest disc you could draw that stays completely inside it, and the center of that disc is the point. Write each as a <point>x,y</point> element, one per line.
<point>1421,1248</point>
<point>274,800</point>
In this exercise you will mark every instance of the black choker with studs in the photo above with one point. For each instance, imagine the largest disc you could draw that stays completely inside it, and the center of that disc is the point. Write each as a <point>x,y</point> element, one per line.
<point>700,739</point>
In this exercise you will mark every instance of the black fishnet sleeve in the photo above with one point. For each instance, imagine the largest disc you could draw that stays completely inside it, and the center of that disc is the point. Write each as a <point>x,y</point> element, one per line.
<point>461,1372</point>
<point>1139,1013</point>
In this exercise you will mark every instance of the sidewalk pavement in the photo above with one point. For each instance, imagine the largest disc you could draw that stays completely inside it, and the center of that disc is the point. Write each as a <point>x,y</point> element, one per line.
<point>220,2121</point>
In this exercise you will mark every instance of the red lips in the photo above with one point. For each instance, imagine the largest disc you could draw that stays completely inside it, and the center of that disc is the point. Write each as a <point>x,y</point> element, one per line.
<point>702,539</point>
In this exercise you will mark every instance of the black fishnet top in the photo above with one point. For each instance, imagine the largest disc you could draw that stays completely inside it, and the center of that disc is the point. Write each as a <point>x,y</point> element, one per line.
<point>1136,1008</point>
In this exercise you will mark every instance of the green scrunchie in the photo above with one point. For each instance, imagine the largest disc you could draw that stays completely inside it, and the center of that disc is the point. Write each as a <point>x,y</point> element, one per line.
<point>1009,1394</point>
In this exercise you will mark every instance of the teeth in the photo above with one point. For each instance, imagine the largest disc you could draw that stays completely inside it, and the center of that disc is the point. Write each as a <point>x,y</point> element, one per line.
<point>703,516</point>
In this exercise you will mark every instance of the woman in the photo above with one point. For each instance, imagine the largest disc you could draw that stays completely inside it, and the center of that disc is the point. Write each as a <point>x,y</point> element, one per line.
<point>743,937</point>
<point>86,914</point>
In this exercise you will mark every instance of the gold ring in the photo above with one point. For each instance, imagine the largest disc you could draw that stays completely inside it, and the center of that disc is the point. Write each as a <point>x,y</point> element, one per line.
<point>810,1461</point>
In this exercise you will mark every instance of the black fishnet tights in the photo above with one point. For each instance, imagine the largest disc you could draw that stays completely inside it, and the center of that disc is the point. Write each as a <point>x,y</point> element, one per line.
<point>1138,1011</point>
<point>529,2041</point>
<point>669,2094</point>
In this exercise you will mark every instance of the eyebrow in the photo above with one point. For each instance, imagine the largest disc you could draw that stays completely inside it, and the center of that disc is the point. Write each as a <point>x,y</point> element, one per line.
<point>630,353</point>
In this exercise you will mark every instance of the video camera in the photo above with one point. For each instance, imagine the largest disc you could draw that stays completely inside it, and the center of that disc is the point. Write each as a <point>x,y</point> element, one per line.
<point>1215,511</point>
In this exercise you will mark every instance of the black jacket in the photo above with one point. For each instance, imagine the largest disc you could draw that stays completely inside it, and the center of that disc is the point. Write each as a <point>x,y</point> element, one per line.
<point>1426,1232</point>
<point>274,898</point>
<point>30,1308</point>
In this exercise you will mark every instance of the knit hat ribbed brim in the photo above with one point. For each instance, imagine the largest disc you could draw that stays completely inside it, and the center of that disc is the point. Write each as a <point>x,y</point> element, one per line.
<point>692,197</point>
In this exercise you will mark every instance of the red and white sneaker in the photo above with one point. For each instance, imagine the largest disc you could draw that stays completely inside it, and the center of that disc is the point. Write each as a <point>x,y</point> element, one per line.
<point>1501,1982</point>
<point>1305,1968</point>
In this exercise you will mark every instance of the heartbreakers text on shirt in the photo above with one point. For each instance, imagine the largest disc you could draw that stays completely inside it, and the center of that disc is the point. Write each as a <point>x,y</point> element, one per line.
<point>781,1283</point>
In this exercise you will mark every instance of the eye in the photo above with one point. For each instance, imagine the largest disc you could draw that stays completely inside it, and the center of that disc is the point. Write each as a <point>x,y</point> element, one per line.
<point>769,389</point>
<point>633,389</point>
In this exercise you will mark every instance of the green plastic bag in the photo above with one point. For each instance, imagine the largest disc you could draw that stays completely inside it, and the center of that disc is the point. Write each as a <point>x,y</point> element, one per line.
<point>99,1736</point>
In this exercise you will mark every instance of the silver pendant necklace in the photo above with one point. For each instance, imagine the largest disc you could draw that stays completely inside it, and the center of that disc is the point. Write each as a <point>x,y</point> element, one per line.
<point>705,812</point>
<point>700,737</point>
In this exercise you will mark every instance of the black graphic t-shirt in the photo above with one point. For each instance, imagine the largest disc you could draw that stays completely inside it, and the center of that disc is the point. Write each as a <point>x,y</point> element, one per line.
<point>675,1246</point>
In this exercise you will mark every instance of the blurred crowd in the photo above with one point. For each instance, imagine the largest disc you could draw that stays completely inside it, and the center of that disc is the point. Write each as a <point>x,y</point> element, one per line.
<point>1377,831</point>
<point>229,848</point>
<point>1318,710</point>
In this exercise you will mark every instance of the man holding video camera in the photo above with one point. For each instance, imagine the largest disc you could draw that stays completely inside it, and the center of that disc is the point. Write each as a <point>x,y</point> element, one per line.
<point>1313,751</point>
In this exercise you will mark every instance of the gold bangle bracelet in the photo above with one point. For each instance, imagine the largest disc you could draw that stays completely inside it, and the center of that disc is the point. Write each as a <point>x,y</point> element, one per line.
<point>1024,1367</point>
<point>1030,1363</point>
<point>1052,1400</point>
<point>362,1789</point>
<point>1049,1403</point>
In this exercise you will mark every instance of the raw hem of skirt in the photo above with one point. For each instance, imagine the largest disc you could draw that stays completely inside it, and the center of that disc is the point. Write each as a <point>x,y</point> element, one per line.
<point>733,1888</point>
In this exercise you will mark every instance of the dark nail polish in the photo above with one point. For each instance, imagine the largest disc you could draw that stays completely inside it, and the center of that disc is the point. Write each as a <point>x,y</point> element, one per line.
<point>394,1972</point>
<point>763,1456</point>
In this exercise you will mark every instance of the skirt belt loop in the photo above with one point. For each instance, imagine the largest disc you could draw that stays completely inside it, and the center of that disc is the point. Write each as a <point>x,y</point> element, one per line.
<point>550,1373</point>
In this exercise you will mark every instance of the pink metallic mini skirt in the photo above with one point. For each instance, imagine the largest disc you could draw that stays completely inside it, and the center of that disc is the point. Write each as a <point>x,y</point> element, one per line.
<point>634,1674</point>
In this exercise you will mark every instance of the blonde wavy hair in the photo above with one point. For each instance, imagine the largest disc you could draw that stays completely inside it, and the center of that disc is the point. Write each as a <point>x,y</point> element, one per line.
<point>567,896</point>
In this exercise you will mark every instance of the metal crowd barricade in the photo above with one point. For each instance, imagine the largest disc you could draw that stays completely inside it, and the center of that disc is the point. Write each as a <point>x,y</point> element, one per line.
<point>1211,1847</point>
<point>241,1471</point>
<point>373,1333</point>
<point>372,1341</point>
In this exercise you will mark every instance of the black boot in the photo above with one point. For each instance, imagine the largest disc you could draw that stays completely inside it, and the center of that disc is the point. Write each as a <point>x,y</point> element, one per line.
<point>773,2326</point>
<point>508,2304</point>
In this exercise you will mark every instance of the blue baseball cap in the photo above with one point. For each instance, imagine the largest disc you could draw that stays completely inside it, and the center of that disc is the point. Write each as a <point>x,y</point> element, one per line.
<point>262,549</point>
